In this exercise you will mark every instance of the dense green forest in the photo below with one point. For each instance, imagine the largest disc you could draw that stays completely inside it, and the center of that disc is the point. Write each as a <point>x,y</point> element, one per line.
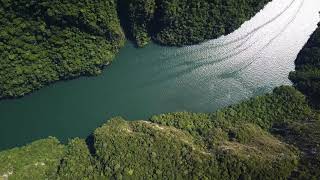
<point>306,78</point>
<point>184,22</point>
<point>45,41</point>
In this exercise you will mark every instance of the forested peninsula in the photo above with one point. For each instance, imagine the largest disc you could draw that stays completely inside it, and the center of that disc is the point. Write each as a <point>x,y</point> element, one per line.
<point>275,136</point>
<point>306,78</point>
<point>46,41</point>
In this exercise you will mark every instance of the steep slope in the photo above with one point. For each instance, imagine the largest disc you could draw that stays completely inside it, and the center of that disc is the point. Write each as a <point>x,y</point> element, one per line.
<point>306,78</point>
<point>38,160</point>
<point>45,41</point>
<point>184,22</point>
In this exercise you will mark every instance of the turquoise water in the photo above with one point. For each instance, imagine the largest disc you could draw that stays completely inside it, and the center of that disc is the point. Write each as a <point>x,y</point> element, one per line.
<point>141,82</point>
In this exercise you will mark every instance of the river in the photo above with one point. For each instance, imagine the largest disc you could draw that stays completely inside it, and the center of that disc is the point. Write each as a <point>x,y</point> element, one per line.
<point>142,82</point>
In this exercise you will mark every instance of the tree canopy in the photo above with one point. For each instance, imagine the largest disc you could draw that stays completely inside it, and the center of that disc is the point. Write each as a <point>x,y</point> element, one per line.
<point>185,22</point>
<point>46,41</point>
<point>306,78</point>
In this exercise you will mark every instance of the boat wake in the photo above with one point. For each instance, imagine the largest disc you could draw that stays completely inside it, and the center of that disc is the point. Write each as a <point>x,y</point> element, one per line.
<point>229,55</point>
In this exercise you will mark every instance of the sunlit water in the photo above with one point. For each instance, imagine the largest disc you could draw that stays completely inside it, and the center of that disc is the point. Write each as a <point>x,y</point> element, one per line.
<point>141,82</point>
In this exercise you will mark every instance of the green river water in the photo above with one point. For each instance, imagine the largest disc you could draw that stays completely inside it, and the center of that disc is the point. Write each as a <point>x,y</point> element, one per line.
<point>142,82</point>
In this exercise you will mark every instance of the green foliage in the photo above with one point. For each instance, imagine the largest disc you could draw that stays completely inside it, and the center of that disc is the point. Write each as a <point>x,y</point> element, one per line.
<point>38,160</point>
<point>78,163</point>
<point>46,41</point>
<point>306,78</point>
<point>137,16</point>
<point>305,135</point>
<point>284,113</point>
<point>284,104</point>
<point>143,149</point>
<point>184,22</point>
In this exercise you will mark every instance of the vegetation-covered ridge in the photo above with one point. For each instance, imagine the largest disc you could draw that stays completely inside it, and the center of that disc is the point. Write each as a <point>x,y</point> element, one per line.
<point>269,137</point>
<point>45,41</point>
<point>184,22</point>
<point>306,78</point>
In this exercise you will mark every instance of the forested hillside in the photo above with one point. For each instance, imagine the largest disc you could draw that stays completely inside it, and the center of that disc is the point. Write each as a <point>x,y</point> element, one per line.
<point>45,41</point>
<point>306,78</point>
<point>184,22</point>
